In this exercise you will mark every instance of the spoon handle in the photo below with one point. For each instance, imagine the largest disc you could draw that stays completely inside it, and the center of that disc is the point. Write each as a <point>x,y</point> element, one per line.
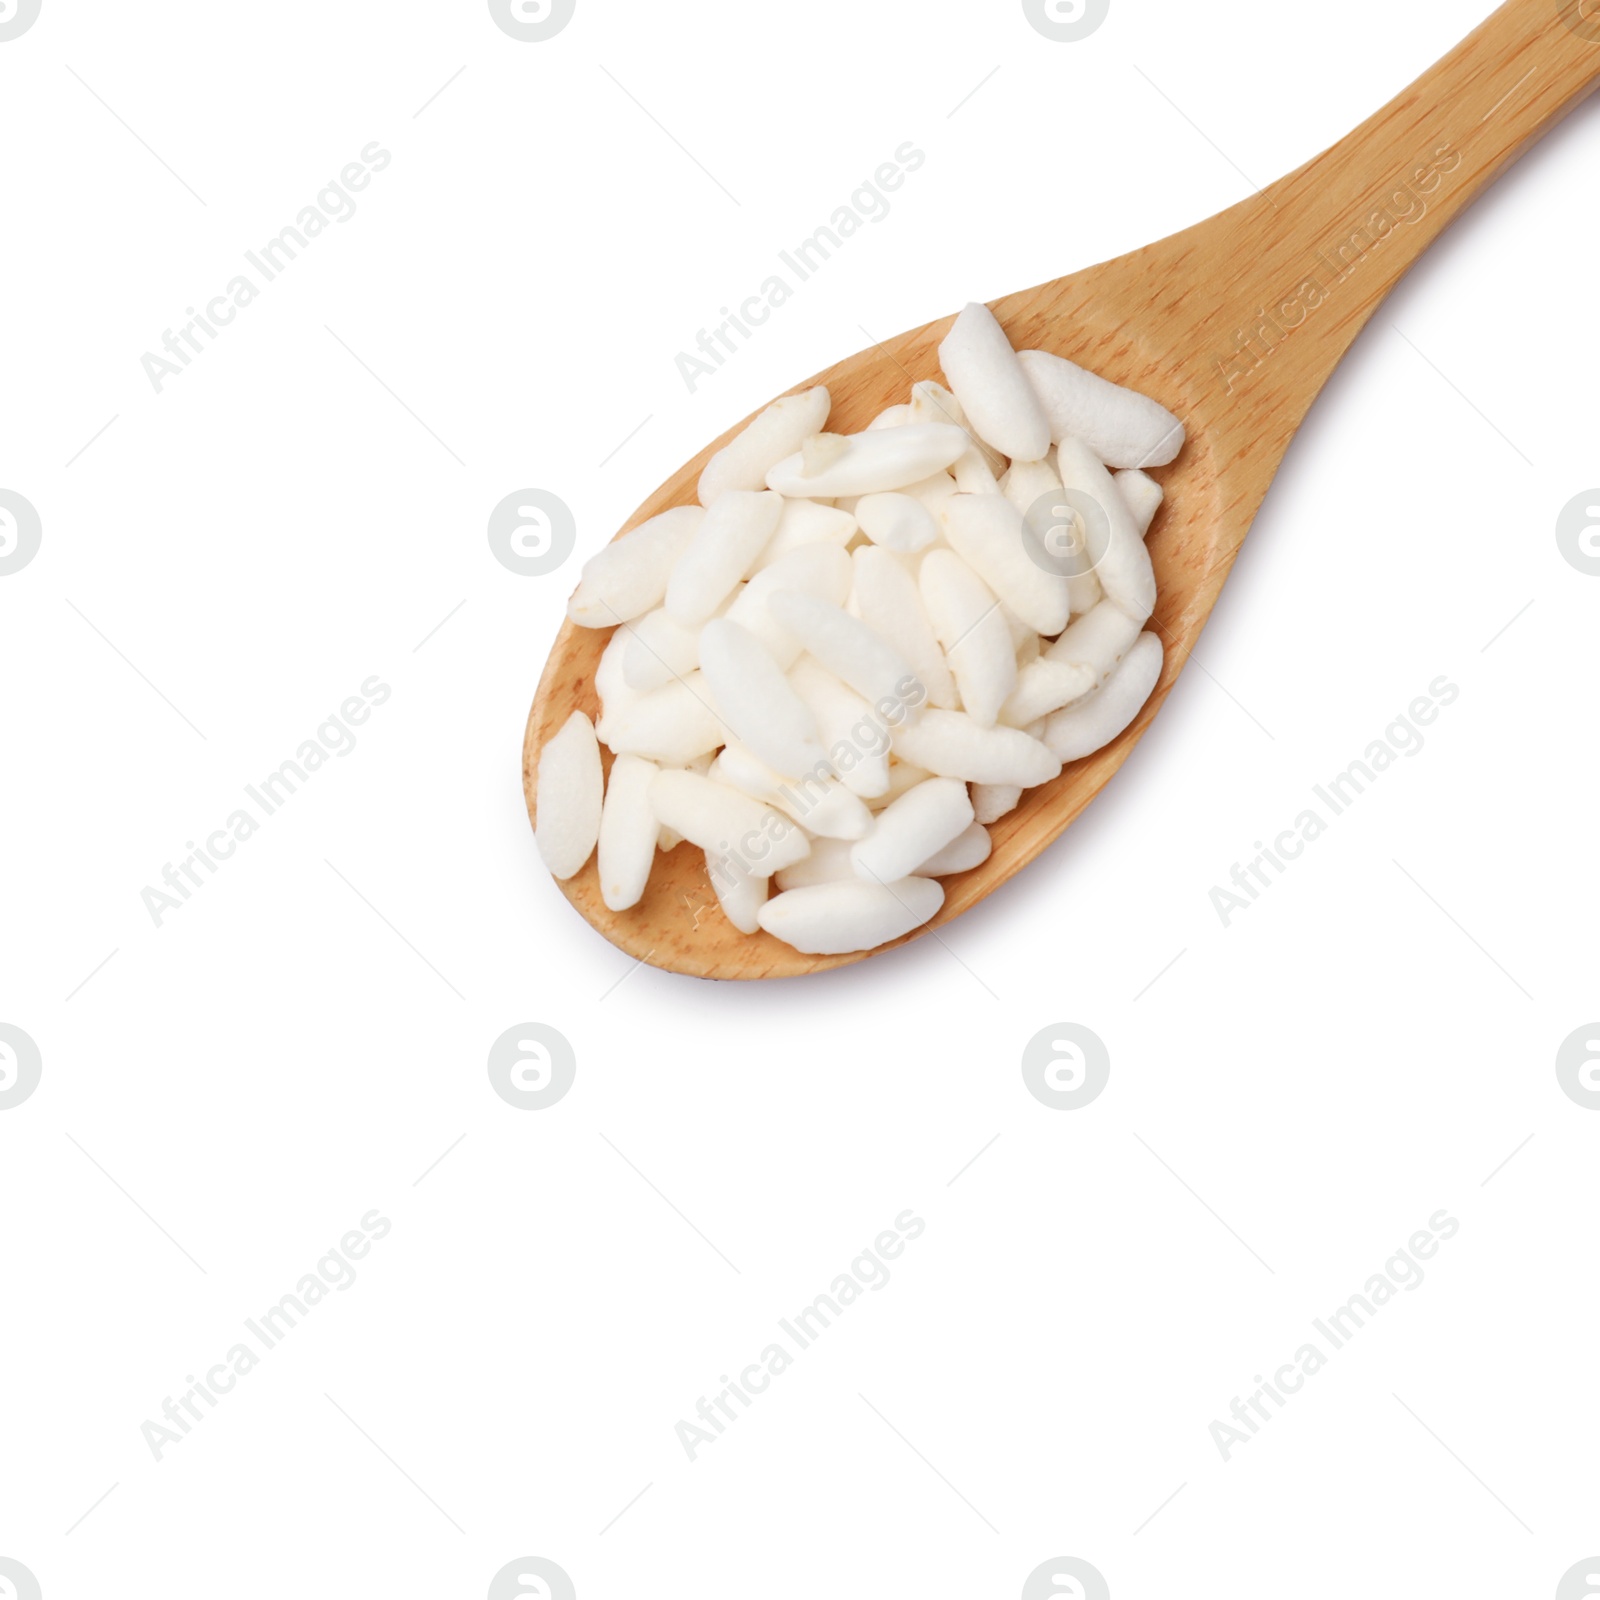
<point>1296,271</point>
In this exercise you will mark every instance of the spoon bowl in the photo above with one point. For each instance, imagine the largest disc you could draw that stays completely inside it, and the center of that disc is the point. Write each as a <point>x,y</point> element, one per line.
<point>1234,325</point>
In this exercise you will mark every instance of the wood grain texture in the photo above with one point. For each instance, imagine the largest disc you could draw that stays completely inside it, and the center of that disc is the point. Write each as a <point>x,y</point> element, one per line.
<point>1235,325</point>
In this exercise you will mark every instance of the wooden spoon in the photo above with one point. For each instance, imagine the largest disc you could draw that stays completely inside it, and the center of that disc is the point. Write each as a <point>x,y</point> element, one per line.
<point>1235,325</point>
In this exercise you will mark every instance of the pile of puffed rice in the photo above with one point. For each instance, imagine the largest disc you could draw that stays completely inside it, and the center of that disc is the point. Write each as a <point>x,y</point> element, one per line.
<point>858,650</point>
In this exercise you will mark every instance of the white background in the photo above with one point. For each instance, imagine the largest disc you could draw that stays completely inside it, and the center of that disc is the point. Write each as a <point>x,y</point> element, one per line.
<point>1290,1099</point>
